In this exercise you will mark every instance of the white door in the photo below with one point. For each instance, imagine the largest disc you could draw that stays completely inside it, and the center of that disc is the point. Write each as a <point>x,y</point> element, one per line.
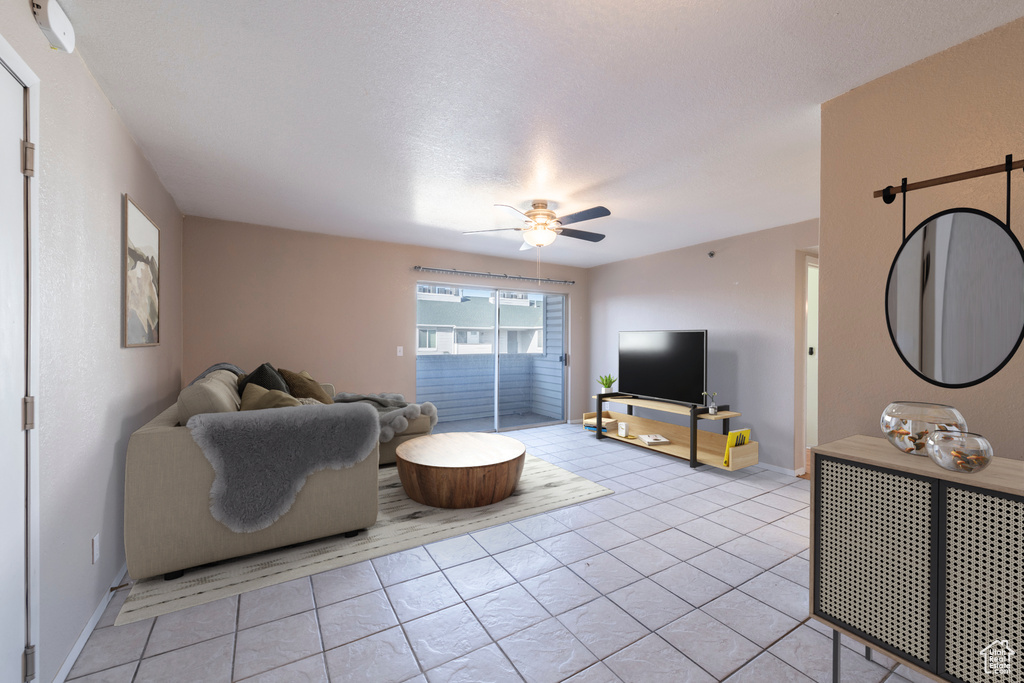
<point>811,392</point>
<point>13,321</point>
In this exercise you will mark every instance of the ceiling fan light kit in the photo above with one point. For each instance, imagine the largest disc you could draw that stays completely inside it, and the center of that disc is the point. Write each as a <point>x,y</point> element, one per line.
<point>539,236</point>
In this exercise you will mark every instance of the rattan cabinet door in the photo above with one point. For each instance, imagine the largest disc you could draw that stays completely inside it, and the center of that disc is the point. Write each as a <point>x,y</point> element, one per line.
<point>984,586</point>
<point>875,537</point>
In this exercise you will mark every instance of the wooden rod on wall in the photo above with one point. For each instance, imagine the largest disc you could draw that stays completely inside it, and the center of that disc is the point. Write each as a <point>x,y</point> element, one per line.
<point>955,178</point>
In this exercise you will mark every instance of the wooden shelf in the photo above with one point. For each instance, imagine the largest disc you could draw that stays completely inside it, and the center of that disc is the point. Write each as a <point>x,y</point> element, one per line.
<point>710,446</point>
<point>664,407</point>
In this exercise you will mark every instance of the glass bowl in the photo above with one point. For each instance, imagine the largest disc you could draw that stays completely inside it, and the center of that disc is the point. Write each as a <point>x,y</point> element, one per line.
<point>906,424</point>
<point>959,451</point>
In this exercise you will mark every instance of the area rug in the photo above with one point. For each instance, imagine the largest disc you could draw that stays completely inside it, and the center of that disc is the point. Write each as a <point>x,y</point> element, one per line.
<point>401,524</point>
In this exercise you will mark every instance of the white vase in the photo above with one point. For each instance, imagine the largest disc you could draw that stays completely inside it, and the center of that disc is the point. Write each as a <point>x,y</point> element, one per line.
<point>606,390</point>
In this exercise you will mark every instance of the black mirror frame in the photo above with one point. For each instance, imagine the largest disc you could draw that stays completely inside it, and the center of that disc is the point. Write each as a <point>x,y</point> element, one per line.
<point>888,283</point>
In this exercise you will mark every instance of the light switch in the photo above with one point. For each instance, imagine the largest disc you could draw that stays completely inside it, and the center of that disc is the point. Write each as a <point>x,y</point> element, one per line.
<point>401,350</point>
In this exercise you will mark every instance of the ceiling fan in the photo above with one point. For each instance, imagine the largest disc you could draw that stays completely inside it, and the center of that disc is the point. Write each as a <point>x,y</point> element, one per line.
<point>541,226</point>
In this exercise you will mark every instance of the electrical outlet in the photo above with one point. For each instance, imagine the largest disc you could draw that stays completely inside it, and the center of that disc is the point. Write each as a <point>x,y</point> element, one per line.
<point>95,548</point>
<point>401,350</point>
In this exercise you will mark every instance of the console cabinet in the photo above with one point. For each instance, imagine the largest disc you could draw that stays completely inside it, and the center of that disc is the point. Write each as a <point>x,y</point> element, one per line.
<point>923,563</point>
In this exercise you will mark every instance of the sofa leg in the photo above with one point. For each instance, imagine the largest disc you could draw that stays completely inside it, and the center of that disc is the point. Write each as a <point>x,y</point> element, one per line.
<point>352,534</point>
<point>171,576</point>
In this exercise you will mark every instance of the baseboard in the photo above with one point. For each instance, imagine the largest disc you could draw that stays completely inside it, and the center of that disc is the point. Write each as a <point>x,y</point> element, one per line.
<point>72,657</point>
<point>781,470</point>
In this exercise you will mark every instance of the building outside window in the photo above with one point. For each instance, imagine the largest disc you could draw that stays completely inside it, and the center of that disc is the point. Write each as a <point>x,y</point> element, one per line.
<point>428,339</point>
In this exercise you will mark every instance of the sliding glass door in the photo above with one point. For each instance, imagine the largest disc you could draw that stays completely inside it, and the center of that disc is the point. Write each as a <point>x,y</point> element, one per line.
<point>531,360</point>
<point>490,359</point>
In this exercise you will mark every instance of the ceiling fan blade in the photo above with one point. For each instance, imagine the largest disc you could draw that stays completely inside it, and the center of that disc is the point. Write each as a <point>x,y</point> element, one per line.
<point>581,234</point>
<point>585,215</point>
<point>526,246</point>
<point>477,232</point>
<point>506,206</point>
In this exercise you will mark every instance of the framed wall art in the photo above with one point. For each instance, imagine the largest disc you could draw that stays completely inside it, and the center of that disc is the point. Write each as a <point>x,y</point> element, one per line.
<point>141,277</point>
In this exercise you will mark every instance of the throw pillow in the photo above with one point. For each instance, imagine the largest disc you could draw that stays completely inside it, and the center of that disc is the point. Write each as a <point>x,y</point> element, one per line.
<point>256,397</point>
<point>301,385</point>
<point>215,393</point>
<point>264,376</point>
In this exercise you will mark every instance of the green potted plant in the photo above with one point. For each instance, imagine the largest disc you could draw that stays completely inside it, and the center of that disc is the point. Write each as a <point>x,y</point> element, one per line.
<point>606,381</point>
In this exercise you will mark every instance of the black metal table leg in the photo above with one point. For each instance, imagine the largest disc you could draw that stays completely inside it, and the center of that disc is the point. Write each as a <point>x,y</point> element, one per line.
<point>836,654</point>
<point>693,438</point>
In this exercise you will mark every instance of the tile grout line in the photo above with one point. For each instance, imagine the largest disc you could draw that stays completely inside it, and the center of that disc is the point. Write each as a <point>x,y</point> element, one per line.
<point>234,644</point>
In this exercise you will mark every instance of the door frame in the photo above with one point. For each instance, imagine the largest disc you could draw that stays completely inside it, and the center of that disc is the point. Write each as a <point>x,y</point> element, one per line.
<point>21,71</point>
<point>811,267</point>
<point>804,259</point>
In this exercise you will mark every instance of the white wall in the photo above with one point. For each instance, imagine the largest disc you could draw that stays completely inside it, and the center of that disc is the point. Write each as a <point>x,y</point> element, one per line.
<point>92,393</point>
<point>744,297</point>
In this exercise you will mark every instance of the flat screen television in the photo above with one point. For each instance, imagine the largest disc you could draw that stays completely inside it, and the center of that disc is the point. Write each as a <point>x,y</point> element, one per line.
<point>668,364</point>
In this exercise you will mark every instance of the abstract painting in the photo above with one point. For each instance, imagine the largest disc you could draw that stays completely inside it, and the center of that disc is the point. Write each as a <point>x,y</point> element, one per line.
<point>141,277</point>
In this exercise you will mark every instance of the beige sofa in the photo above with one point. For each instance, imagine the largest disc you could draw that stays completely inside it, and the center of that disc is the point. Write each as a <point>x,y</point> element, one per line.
<point>168,526</point>
<point>167,520</point>
<point>418,427</point>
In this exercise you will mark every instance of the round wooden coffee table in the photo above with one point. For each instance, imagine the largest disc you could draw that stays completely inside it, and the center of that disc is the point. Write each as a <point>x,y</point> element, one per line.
<point>460,469</point>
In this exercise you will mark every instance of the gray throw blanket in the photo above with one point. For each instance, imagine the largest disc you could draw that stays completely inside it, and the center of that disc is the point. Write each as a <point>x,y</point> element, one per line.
<point>394,412</point>
<point>218,366</point>
<point>261,458</point>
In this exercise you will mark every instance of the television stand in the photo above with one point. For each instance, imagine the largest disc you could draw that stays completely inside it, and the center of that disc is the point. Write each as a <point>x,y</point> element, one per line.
<point>687,443</point>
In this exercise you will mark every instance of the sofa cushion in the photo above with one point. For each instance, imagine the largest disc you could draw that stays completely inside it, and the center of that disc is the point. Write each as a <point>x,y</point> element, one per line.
<point>217,392</point>
<point>256,397</point>
<point>265,376</point>
<point>302,385</point>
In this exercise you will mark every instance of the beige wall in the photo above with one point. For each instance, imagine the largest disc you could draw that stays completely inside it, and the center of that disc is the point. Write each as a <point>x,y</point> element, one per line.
<point>954,111</point>
<point>744,297</point>
<point>92,392</point>
<point>335,306</point>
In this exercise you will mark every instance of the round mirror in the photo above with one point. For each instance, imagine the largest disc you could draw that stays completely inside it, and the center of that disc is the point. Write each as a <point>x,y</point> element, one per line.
<point>955,298</point>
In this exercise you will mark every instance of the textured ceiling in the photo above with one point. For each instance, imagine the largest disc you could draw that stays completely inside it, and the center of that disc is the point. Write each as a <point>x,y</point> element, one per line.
<point>406,120</point>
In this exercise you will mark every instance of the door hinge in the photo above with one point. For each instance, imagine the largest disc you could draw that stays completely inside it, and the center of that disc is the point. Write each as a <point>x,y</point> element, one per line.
<point>30,662</point>
<point>30,159</point>
<point>565,359</point>
<point>28,413</point>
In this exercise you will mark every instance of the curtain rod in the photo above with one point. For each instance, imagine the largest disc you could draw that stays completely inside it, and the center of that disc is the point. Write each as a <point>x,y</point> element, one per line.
<point>498,276</point>
<point>889,193</point>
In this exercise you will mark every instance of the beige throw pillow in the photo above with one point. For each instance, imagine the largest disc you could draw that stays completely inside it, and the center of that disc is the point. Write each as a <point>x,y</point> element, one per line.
<point>302,385</point>
<point>215,393</point>
<point>256,397</point>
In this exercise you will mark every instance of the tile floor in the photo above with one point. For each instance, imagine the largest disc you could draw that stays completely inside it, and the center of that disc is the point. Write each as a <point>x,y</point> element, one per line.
<point>682,575</point>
